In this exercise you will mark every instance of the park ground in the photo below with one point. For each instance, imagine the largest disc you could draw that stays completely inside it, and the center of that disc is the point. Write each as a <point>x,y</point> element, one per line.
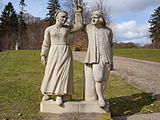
<point>20,79</point>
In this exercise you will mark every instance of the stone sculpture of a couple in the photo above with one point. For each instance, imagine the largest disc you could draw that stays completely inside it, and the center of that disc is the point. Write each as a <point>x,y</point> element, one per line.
<point>56,55</point>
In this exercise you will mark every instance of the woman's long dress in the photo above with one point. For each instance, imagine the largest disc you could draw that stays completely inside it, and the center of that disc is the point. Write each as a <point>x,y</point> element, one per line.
<point>58,73</point>
<point>58,77</point>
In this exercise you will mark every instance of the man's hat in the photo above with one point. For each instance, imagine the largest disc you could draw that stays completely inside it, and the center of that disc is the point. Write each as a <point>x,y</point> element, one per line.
<point>97,13</point>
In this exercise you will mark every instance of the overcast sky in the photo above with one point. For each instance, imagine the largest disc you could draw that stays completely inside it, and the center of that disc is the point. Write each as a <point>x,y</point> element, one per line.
<point>129,17</point>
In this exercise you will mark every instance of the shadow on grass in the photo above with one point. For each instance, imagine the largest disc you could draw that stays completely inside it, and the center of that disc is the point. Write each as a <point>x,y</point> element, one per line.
<point>129,105</point>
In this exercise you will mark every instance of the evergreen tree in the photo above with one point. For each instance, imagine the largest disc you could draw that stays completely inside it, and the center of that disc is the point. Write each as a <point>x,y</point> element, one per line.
<point>9,27</point>
<point>155,28</point>
<point>53,7</point>
<point>22,23</point>
<point>9,19</point>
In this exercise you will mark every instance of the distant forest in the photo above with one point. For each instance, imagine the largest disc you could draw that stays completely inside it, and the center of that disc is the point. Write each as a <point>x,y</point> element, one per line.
<point>27,31</point>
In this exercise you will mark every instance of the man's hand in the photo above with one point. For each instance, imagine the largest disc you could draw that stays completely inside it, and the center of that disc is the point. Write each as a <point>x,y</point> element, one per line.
<point>43,60</point>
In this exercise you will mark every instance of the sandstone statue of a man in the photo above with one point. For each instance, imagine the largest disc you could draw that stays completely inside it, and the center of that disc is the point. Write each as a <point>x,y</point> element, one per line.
<point>99,57</point>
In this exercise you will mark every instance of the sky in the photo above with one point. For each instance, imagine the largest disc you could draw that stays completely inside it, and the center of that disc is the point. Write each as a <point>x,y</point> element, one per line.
<point>129,17</point>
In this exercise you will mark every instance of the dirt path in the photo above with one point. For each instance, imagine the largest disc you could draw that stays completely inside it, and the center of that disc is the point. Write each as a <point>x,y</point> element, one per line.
<point>144,75</point>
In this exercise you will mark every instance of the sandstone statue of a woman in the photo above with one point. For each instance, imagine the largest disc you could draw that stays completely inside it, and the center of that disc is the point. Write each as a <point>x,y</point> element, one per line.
<point>57,56</point>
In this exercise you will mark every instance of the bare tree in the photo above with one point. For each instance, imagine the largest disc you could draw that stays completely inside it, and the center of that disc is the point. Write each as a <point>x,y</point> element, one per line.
<point>78,40</point>
<point>102,6</point>
<point>70,4</point>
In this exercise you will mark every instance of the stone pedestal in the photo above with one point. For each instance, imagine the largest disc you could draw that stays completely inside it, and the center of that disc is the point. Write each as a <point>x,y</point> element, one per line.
<point>74,110</point>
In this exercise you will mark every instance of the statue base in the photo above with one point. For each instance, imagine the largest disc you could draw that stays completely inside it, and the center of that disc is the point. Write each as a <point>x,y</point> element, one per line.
<point>74,110</point>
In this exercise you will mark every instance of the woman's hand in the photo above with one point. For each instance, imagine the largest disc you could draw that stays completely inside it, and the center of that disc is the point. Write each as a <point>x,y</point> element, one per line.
<point>78,9</point>
<point>43,60</point>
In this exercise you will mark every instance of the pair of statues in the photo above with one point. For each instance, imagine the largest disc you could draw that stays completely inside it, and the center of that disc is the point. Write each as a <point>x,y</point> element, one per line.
<point>56,55</point>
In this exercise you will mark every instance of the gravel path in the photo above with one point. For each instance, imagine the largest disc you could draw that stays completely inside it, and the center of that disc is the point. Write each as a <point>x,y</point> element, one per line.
<point>144,75</point>
<point>153,116</point>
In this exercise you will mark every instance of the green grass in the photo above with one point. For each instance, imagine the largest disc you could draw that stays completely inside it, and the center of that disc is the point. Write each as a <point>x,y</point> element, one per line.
<point>20,79</point>
<point>143,54</point>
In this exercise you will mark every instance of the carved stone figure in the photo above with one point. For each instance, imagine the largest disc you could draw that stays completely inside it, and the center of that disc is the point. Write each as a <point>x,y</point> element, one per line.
<point>98,59</point>
<point>16,46</point>
<point>57,56</point>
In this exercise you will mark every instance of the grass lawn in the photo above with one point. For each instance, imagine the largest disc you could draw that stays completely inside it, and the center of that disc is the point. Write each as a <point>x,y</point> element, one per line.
<point>143,54</point>
<point>20,79</point>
